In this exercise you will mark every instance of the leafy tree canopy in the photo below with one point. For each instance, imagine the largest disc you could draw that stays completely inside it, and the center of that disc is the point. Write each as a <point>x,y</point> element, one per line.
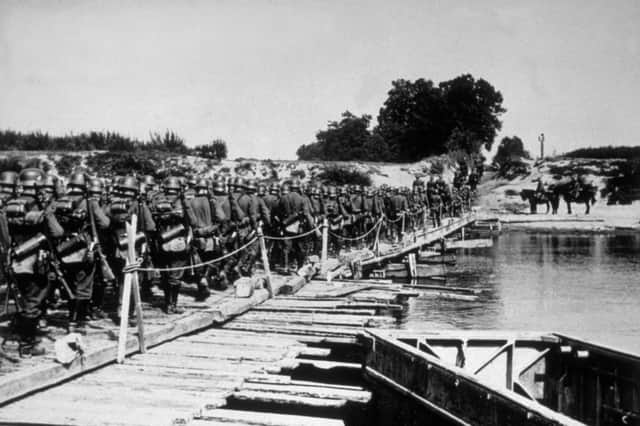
<point>344,140</point>
<point>418,119</point>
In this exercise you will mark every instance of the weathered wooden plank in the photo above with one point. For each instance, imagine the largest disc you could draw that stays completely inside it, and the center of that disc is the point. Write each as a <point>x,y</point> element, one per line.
<point>278,398</point>
<point>469,244</point>
<point>317,391</point>
<point>299,329</point>
<point>253,418</point>
<point>365,312</point>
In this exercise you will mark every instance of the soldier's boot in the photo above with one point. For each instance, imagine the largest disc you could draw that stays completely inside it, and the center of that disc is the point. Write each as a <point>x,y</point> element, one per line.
<point>203,291</point>
<point>145,289</point>
<point>175,292</point>
<point>82,313</point>
<point>97,302</point>
<point>29,344</point>
<point>73,314</point>
<point>167,299</point>
<point>223,281</point>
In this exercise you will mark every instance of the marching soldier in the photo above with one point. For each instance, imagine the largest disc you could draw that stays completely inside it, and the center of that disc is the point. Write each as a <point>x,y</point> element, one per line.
<point>294,214</point>
<point>125,203</point>
<point>270,199</point>
<point>335,214</point>
<point>30,224</point>
<point>7,191</point>
<point>398,207</point>
<point>104,277</point>
<point>228,215</point>
<point>435,202</point>
<point>250,206</point>
<point>75,248</point>
<point>173,249</point>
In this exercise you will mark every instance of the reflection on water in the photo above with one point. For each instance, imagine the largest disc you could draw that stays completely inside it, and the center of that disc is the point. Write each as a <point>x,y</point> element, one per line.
<point>584,285</point>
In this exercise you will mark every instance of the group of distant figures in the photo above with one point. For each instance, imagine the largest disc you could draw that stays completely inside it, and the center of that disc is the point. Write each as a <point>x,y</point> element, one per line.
<point>574,191</point>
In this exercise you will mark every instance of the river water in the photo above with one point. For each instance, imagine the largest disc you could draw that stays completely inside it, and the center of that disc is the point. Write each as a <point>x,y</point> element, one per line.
<point>584,285</point>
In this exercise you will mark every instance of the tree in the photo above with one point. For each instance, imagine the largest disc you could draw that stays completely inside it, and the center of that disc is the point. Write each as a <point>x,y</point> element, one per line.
<point>508,158</point>
<point>344,140</point>
<point>217,150</point>
<point>473,107</point>
<point>411,121</point>
<point>169,142</point>
<point>419,119</point>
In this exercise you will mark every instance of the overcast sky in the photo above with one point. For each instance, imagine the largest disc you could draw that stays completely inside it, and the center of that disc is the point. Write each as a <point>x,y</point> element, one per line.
<point>266,75</point>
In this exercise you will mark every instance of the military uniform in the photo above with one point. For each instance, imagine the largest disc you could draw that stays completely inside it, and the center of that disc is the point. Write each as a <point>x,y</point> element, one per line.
<point>228,215</point>
<point>249,204</point>
<point>124,204</point>
<point>74,248</point>
<point>295,215</point>
<point>31,226</point>
<point>172,245</point>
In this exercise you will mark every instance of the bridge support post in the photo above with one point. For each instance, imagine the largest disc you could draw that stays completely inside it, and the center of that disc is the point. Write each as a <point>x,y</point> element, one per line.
<point>265,261</point>
<point>324,254</point>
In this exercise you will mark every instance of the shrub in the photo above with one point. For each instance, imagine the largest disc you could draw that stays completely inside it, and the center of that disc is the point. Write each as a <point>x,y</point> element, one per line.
<point>437,167</point>
<point>336,175</point>
<point>67,164</point>
<point>625,185</point>
<point>605,152</point>
<point>511,192</point>
<point>121,163</point>
<point>243,168</point>
<point>300,174</point>
<point>11,164</point>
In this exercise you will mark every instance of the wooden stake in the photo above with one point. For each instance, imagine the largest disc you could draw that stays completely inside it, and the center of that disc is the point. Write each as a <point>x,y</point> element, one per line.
<point>325,242</point>
<point>265,261</point>
<point>126,294</point>
<point>413,270</point>
<point>130,284</point>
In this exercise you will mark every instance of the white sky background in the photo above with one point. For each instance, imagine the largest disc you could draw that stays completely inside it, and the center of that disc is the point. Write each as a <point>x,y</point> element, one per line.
<point>266,75</point>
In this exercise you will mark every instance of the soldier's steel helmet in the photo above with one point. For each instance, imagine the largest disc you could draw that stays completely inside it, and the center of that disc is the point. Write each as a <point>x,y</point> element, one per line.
<point>128,183</point>
<point>285,189</point>
<point>95,186</point>
<point>250,185</point>
<point>149,181</point>
<point>262,189</point>
<point>8,179</point>
<point>28,178</point>
<point>172,183</point>
<point>219,187</point>
<point>77,180</point>
<point>202,184</point>
<point>295,185</point>
<point>274,189</point>
<point>49,182</point>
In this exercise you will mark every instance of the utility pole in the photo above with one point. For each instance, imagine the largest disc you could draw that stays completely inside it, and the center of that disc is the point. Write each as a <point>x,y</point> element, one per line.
<point>541,139</point>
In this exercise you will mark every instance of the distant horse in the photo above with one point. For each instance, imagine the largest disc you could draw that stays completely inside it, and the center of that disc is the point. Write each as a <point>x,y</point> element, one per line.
<point>535,198</point>
<point>576,194</point>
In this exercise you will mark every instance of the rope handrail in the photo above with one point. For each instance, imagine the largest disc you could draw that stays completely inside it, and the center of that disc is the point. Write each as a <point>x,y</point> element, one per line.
<point>292,237</point>
<point>361,236</point>
<point>134,266</point>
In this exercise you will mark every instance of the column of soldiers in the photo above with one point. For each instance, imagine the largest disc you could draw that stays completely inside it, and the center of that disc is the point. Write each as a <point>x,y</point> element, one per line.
<point>69,244</point>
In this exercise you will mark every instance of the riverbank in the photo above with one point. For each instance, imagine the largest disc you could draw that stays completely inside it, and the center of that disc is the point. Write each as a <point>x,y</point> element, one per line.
<point>602,219</point>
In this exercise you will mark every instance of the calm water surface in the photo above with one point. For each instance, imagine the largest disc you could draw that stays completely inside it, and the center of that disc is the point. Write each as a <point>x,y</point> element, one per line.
<point>584,285</point>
